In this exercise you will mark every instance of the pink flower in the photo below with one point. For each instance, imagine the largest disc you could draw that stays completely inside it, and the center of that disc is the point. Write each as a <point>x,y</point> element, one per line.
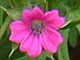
<point>36,31</point>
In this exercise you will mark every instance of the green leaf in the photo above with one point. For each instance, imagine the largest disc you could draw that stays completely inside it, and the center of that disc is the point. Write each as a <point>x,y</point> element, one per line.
<point>14,47</point>
<point>17,54</point>
<point>78,27</point>
<point>4,26</point>
<point>14,14</point>
<point>71,24</point>
<point>73,36</point>
<point>74,17</point>
<point>63,49</point>
<point>66,23</point>
<point>5,47</point>
<point>1,17</point>
<point>49,55</point>
<point>22,58</point>
<point>41,57</point>
<point>44,5</point>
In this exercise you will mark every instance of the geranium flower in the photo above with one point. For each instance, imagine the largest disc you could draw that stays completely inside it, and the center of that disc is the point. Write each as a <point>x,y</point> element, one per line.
<point>37,31</point>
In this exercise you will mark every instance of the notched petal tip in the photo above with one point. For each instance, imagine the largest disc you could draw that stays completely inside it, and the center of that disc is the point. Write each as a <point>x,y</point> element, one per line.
<point>35,48</point>
<point>18,31</point>
<point>36,7</point>
<point>54,12</point>
<point>25,11</point>
<point>51,40</point>
<point>37,13</point>
<point>27,16</point>
<point>32,55</point>
<point>11,38</point>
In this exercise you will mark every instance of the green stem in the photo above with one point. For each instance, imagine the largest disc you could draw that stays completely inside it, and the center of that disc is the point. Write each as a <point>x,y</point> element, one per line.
<point>14,47</point>
<point>49,55</point>
<point>68,22</point>
<point>3,9</point>
<point>1,17</point>
<point>11,53</point>
<point>14,3</point>
<point>45,1</point>
<point>11,4</point>
<point>29,4</point>
<point>4,26</point>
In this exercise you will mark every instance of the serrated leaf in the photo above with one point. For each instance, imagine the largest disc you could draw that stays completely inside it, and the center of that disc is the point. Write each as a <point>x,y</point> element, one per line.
<point>73,36</point>
<point>63,49</point>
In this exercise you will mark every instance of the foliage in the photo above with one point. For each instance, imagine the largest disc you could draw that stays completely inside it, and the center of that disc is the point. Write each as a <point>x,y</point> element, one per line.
<point>11,10</point>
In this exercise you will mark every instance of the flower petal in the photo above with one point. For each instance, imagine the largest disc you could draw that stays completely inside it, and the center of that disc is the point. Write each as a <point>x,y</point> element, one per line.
<point>58,38</point>
<point>29,15</point>
<point>26,16</point>
<point>35,48</point>
<point>52,19</point>
<point>18,31</point>
<point>37,13</point>
<point>26,43</point>
<point>50,40</point>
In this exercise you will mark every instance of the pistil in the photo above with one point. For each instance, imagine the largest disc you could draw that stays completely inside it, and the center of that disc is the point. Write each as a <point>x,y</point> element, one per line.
<point>36,27</point>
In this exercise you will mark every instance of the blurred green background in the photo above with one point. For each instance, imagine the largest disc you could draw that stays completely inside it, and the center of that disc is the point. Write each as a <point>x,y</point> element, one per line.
<point>10,10</point>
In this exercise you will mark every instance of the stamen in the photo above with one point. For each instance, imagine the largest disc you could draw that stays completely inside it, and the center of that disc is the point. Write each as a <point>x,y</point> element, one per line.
<point>36,27</point>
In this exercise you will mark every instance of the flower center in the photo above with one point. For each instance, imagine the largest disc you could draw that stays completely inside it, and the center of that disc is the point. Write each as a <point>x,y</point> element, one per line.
<point>36,27</point>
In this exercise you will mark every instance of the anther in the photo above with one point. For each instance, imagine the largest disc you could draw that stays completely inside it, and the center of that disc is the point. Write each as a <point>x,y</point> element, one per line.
<point>36,27</point>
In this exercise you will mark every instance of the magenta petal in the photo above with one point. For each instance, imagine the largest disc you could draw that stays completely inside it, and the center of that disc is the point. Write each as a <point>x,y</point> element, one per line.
<point>18,31</point>
<point>58,24</point>
<point>58,38</point>
<point>50,40</point>
<point>26,43</point>
<point>35,48</point>
<point>26,16</point>
<point>52,19</point>
<point>29,15</point>
<point>37,13</point>
<point>54,13</point>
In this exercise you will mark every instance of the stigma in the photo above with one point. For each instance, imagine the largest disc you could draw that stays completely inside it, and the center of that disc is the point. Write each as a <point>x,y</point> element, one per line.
<point>36,27</point>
